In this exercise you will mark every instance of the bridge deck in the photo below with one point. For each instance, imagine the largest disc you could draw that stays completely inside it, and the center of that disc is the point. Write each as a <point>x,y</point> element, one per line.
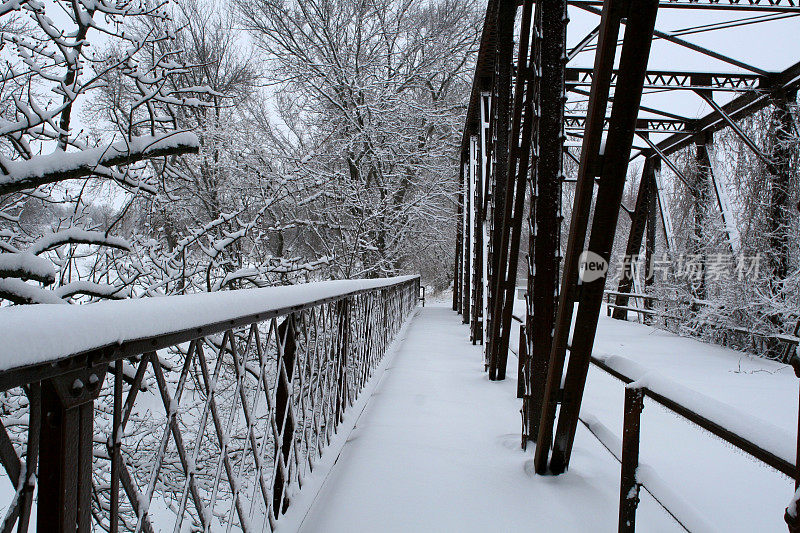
<point>437,449</point>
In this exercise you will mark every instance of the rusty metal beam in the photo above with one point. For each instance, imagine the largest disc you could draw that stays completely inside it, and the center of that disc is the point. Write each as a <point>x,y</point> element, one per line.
<point>677,79</point>
<point>763,6</point>
<point>611,18</point>
<point>506,12</point>
<point>641,18</point>
<point>705,95</point>
<point>736,109</point>
<point>635,236</point>
<point>457,263</point>
<point>691,46</point>
<point>522,128</point>
<point>653,110</point>
<point>650,125</point>
<point>546,237</point>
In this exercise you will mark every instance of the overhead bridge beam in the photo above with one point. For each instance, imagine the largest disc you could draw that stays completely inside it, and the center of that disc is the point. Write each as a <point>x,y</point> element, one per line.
<point>764,6</point>
<point>736,109</point>
<point>651,125</point>
<point>671,79</point>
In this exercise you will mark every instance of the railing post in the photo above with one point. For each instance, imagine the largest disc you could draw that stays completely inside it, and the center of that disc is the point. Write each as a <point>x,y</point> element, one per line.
<point>522,356</point>
<point>342,348</point>
<point>629,487</point>
<point>793,522</point>
<point>65,455</point>
<point>284,418</point>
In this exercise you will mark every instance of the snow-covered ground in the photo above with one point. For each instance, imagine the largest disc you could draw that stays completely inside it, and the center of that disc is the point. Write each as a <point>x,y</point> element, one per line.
<point>438,449</point>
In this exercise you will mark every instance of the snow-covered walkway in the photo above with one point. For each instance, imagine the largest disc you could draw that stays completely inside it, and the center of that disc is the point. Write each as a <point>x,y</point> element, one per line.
<point>437,449</point>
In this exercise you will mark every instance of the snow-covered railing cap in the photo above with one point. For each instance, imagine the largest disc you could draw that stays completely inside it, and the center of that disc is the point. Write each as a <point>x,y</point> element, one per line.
<point>35,336</point>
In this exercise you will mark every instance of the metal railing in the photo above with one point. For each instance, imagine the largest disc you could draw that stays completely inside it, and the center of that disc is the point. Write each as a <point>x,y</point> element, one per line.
<point>765,343</point>
<point>208,420</point>
<point>626,450</point>
<point>631,481</point>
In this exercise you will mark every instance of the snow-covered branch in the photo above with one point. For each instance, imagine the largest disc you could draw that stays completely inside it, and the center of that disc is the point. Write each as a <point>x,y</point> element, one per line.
<point>60,165</point>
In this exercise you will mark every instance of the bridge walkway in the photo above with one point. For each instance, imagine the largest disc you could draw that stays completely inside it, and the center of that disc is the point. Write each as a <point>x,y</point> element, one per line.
<point>437,449</point>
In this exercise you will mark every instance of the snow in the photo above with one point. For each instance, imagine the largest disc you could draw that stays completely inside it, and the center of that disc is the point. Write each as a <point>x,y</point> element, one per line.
<point>27,292</point>
<point>26,265</point>
<point>23,174</point>
<point>438,449</point>
<point>791,509</point>
<point>75,329</point>
<point>653,483</point>
<point>322,466</point>
<point>77,236</point>
<point>92,289</point>
<point>764,434</point>
<point>723,201</point>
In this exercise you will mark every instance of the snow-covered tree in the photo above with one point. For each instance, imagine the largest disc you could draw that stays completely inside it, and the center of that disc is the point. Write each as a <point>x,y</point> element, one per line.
<point>370,103</point>
<point>56,55</point>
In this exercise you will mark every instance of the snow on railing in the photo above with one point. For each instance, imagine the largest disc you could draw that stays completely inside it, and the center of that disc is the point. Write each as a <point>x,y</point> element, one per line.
<point>757,438</point>
<point>239,393</point>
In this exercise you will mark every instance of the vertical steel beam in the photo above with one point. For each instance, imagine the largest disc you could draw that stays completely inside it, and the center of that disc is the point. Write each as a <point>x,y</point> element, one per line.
<point>663,209</point>
<point>466,270</point>
<point>343,308</point>
<point>650,239</point>
<point>114,448</point>
<point>613,11</point>
<point>506,13</point>
<point>486,172</point>
<point>459,245</point>
<point>547,220</point>
<point>284,417</point>
<point>65,456</point>
<point>523,124</point>
<point>635,237</point>
<point>700,195</point>
<point>723,202</point>
<point>477,238</point>
<point>641,19</point>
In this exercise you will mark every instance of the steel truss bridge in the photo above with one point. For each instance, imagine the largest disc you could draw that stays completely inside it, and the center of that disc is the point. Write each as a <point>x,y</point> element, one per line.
<point>252,386</point>
<point>519,129</point>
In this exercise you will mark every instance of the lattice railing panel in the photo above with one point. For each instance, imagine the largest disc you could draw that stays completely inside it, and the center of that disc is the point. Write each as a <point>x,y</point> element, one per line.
<point>220,432</point>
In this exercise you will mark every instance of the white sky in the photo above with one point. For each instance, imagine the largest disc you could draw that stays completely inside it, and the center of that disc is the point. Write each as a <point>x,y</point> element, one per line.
<point>771,46</point>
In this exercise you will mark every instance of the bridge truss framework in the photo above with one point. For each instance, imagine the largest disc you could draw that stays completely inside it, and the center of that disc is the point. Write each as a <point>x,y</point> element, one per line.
<point>512,181</point>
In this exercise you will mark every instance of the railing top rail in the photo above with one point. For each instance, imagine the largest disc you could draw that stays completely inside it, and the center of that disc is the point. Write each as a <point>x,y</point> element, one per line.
<point>34,338</point>
<point>758,438</point>
<point>631,294</point>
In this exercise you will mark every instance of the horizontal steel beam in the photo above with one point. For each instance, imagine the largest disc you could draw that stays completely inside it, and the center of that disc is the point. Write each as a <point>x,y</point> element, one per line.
<point>764,6</point>
<point>658,79</point>
<point>654,125</point>
<point>653,110</point>
<point>736,109</point>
